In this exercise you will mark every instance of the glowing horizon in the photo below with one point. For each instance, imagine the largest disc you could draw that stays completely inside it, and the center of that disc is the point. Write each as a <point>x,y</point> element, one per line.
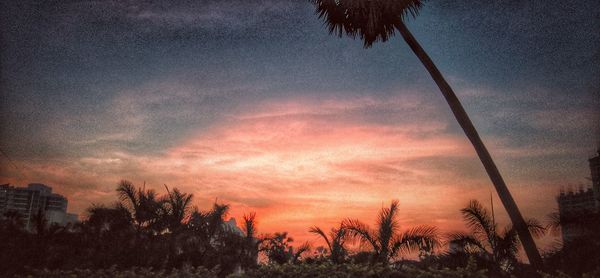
<point>307,162</point>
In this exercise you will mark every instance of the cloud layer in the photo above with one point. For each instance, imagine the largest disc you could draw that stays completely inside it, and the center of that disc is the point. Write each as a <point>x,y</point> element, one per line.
<point>298,161</point>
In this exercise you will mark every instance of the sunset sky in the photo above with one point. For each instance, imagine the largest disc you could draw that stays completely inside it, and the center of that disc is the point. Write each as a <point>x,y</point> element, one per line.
<point>253,103</point>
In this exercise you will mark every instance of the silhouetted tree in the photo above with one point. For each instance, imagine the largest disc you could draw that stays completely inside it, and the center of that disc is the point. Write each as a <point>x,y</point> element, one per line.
<point>386,240</point>
<point>210,242</point>
<point>378,20</point>
<point>251,242</point>
<point>144,206</point>
<point>485,241</point>
<point>176,208</point>
<point>148,215</point>
<point>335,242</point>
<point>14,243</point>
<point>108,234</point>
<point>278,249</point>
<point>103,219</point>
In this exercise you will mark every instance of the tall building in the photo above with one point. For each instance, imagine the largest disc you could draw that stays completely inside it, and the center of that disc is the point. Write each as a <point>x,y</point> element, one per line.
<point>33,199</point>
<point>575,206</point>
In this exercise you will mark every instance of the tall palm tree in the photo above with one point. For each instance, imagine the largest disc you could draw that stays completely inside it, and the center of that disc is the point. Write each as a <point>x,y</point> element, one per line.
<point>485,241</point>
<point>386,240</point>
<point>335,242</point>
<point>378,20</point>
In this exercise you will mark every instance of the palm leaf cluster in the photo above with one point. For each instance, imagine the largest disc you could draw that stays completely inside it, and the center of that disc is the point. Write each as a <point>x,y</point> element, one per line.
<point>385,242</point>
<point>278,248</point>
<point>498,247</point>
<point>371,21</point>
<point>336,242</point>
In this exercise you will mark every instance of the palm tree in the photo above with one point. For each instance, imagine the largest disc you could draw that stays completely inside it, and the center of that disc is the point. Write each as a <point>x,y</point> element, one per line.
<point>205,231</point>
<point>386,241</point>
<point>278,248</point>
<point>103,219</point>
<point>144,206</point>
<point>177,208</point>
<point>176,211</point>
<point>377,20</point>
<point>499,248</point>
<point>147,212</point>
<point>251,242</point>
<point>335,242</point>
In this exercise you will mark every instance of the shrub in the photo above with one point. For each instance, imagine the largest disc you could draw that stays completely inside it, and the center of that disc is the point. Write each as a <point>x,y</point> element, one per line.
<point>135,272</point>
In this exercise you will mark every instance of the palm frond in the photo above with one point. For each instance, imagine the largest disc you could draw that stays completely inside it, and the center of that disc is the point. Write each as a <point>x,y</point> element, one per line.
<point>507,245</point>
<point>536,228</point>
<point>316,230</point>
<point>387,224</point>
<point>305,247</point>
<point>219,212</point>
<point>479,220</point>
<point>250,225</point>
<point>339,235</point>
<point>216,218</point>
<point>338,250</point>
<point>418,238</point>
<point>361,231</point>
<point>176,207</point>
<point>127,193</point>
<point>554,223</point>
<point>466,242</point>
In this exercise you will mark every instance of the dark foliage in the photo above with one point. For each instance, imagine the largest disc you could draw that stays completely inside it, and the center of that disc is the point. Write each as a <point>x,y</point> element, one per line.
<point>579,254</point>
<point>142,230</point>
<point>147,235</point>
<point>494,249</point>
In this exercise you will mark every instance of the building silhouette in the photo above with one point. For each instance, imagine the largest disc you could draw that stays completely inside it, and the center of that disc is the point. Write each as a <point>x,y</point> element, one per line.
<point>575,207</point>
<point>33,199</point>
<point>595,169</point>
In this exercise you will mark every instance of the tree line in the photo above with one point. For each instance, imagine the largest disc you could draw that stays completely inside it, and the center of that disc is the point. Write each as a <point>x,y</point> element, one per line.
<point>145,229</point>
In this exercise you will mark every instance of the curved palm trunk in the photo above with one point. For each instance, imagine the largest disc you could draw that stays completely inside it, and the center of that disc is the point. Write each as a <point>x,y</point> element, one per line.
<point>482,152</point>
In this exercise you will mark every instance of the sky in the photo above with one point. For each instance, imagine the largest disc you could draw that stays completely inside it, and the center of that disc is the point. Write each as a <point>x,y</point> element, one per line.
<point>252,103</point>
